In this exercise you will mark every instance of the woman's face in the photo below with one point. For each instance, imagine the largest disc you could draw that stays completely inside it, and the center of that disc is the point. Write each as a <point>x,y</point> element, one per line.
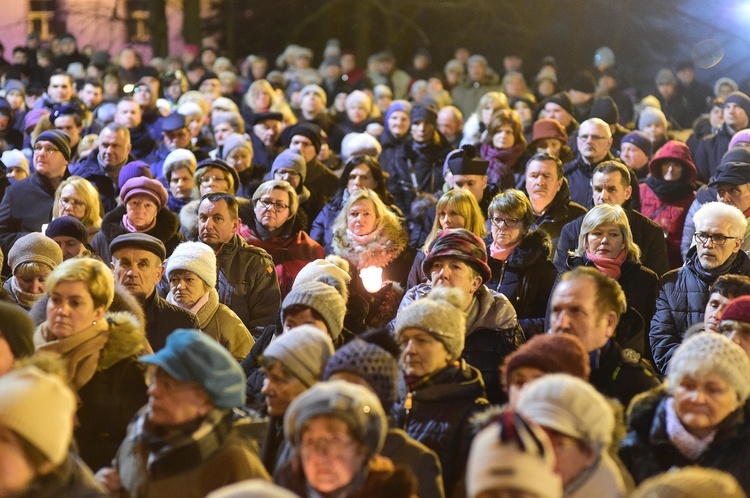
<point>421,353</point>
<point>186,288</point>
<point>16,471</point>
<point>213,181</point>
<point>272,209</point>
<point>448,217</point>
<point>181,183</point>
<point>703,401</point>
<point>398,123</point>
<point>503,234</point>
<point>486,113</point>
<point>71,204</point>
<point>524,111</point>
<point>33,284</point>
<point>141,211</point>
<point>360,178</point>
<point>262,101</point>
<point>71,309</point>
<point>519,378</point>
<point>330,457</point>
<point>671,171</point>
<point>549,145</point>
<point>503,138</point>
<point>605,241</point>
<point>356,112</point>
<point>655,131</point>
<point>195,124</point>
<point>716,117</point>
<point>361,217</point>
<point>240,159</point>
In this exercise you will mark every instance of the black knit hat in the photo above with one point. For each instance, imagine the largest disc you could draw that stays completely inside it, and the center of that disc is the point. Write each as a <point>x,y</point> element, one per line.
<point>309,130</point>
<point>563,100</point>
<point>740,99</point>
<point>423,113</point>
<point>67,226</point>
<point>605,109</point>
<point>17,329</point>
<point>58,138</point>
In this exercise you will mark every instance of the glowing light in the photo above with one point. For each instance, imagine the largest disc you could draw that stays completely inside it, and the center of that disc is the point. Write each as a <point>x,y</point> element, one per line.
<point>372,278</point>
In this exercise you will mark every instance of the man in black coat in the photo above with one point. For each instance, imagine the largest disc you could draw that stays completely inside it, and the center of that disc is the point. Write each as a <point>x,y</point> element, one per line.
<point>712,148</point>
<point>137,263</point>
<point>610,185</point>
<point>266,137</point>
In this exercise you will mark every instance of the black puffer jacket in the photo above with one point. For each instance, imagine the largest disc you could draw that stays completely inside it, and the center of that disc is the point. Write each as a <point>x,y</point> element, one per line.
<point>681,302</point>
<point>647,450</point>
<point>437,412</point>
<point>526,279</point>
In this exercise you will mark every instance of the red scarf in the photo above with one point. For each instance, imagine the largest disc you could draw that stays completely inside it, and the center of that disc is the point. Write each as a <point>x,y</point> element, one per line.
<point>497,252</point>
<point>610,267</point>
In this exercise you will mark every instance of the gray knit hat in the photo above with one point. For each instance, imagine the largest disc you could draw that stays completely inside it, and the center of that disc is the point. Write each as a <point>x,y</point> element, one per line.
<point>196,257</point>
<point>34,248</point>
<point>440,314</point>
<point>355,405</point>
<point>708,352</point>
<point>290,159</point>
<point>313,88</point>
<point>371,362</point>
<point>324,298</point>
<point>234,141</point>
<point>304,352</point>
<point>651,115</point>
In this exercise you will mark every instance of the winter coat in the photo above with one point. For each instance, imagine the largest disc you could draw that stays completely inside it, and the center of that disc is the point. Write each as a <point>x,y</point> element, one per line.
<point>437,412</point>
<point>167,229</point>
<point>247,283</point>
<point>710,151</point>
<point>579,174</point>
<point>424,463</point>
<point>390,158</point>
<point>90,169</point>
<point>526,278</point>
<point>681,302</point>
<point>70,479</point>
<point>647,235</point>
<point>647,449</point>
<point>163,318</point>
<point>262,156</point>
<point>671,216</point>
<point>141,141</point>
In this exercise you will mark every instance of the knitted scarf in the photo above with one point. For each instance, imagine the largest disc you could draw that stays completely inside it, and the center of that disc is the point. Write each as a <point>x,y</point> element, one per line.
<point>688,445</point>
<point>25,299</point>
<point>611,267</point>
<point>130,228</point>
<point>714,273</point>
<point>502,161</point>
<point>363,240</point>
<point>669,191</point>
<point>502,254</point>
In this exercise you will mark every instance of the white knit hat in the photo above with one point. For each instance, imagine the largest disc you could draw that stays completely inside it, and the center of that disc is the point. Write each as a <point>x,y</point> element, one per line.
<point>709,352</point>
<point>196,257</point>
<point>304,351</point>
<point>15,159</point>
<point>571,406</point>
<point>251,488</point>
<point>40,408</point>
<point>360,143</point>
<point>333,265</point>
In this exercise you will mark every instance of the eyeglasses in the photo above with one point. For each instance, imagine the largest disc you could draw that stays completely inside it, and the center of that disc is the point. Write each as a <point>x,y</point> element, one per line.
<point>72,202</point>
<point>277,206</point>
<point>215,179</point>
<point>716,239</point>
<point>593,138</point>
<point>47,149</point>
<point>509,222</point>
<point>286,172</point>
<point>328,447</point>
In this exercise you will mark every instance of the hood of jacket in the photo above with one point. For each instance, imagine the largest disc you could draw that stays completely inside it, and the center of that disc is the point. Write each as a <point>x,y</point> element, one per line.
<point>127,339</point>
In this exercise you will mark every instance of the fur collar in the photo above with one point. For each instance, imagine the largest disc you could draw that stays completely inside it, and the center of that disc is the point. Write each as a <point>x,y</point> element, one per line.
<point>391,243</point>
<point>167,224</point>
<point>534,248</point>
<point>127,339</point>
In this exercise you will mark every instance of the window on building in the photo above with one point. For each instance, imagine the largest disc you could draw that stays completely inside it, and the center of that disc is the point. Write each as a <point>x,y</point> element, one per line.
<point>40,17</point>
<point>137,21</point>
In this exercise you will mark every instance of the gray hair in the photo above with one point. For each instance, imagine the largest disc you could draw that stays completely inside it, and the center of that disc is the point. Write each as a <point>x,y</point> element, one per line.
<point>717,210</point>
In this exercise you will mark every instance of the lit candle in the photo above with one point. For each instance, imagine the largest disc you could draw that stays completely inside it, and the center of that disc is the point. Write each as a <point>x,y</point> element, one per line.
<point>372,278</point>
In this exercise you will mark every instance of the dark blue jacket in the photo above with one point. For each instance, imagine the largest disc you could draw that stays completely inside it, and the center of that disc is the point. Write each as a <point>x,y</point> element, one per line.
<point>579,173</point>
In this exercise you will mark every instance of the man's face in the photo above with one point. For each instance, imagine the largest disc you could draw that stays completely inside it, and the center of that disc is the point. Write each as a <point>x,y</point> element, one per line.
<point>268,131</point>
<point>709,254</point>
<point>215,225</point>
<point>594,141</point>
<point>311,104</point>
<point>91,95</point>
<point>211,89</point>
<point>60,88</point>
<point>304,146</point>
<point>556,112</point>
<point>176,139</point>
<point>607,189</point>
<point>280,389</point>
<point>181,183</point>
<point>714,310</point>
<point>114,148</point>
<point>67,124</point>
<point>477,71</point>
<point>128,114</point>
<point>448,124</point>
<point>735,116</point>
<point>71,247</point>
<point>172,402</point>
<point>575,311</point>
<point>422,131</point>
<point>48,160</point>
<point>473,183</point>
<point>221,130</point>
<point>542,183</point>
<point>633,156</point>
<point>734,195</point>
<point>137,270</point>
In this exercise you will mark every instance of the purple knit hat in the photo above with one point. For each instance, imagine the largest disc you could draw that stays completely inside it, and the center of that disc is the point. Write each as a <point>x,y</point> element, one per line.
<point>640,140</point>
<point>133,170</point>
<point>738,310</point>
<point>141,185</point>
<point>741,137</point>
<point>461,244</point>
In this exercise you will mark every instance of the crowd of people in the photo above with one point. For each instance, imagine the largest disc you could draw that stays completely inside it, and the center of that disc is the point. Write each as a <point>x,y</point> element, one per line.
<point>262,278</point>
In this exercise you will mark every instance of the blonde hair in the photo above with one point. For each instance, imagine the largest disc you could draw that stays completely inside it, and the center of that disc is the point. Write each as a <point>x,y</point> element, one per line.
<point>92,218</point>
<point>466,205</point>
<point>266,187</point>
<point>32,269</point>
<point>605,214</point>
<point>97,276</point>
<point>381,210</point>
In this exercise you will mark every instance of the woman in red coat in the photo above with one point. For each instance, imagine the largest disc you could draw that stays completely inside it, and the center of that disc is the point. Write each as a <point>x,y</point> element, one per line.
<point>668,192</point>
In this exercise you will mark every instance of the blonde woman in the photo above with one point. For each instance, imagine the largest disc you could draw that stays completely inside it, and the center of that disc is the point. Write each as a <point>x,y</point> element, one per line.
<point>78,198</point>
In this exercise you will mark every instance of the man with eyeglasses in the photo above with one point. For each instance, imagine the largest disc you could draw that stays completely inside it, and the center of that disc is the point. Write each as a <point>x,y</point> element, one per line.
<point>247,280</point>
<point>27,205</point>
<point>594,141</point>
<point>174,135</point>
<point>684,292</point>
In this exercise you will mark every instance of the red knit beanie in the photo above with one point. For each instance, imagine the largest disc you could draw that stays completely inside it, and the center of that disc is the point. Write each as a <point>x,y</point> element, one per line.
<point>738,310</point>
<point>550,353</point>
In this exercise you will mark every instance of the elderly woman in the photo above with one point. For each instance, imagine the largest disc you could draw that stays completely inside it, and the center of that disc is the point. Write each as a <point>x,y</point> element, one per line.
<point>143,211</point>
<point>211,176</point>
<point>549,136</point>
<point>77,197</point>
<point>238,153</point>
<point>337,430</point>
<point>457,208</point>
<point>668,193</point>
<point>31,259</point>
<point>443,392</point>
<point>503,147</point>
<point>360,172</point>
<point>179,168</point>
<point>276,227</point>
<point>520,259</point>
<point>191,273</point>
<point>606,243</point>
<point>475,128</point>
<point>101,350</point>
<point>369,236</point>
<point>701,419</point>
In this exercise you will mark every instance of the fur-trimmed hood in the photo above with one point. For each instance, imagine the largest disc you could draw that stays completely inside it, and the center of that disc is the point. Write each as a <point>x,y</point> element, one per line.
<point>381,251</point>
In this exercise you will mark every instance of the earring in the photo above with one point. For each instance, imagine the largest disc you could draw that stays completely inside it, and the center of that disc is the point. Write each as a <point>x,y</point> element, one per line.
<point>93,323</point>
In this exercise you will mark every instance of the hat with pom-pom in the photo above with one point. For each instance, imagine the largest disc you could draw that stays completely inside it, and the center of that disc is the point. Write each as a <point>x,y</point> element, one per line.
<point>304,352</point>
<point>324,296</point>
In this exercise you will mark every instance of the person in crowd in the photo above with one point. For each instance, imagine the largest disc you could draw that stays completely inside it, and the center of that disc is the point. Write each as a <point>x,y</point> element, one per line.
<point>71,236</point>
<point>588,304</point>
<point>305,139</point>
<point>370,237</point>
<point>276,228</point>
<point>179,168</point>
<point>37,412</point>
<point>512,456</point>
<point>313,101</point>
<point>223,124</point>
<point>480,80</point>
<point>190,424</point>
<point>174,135</point>
<point>732,184</point>
<point>266,138</point>
<point>713,147</point>
<point>197,119</point>
<point>191,272</point>
<point>358,111</point>
<point>673,103</point>
<point>443,392</point>
<point>77,197</point>
<point>450,123</point>
<point>683,293</point>
<point>101,350</point>
<point>31,259</point>
<point>27,205</point>
<point>60,90</point>
<point>16,337</point>
<point>580,423</point>
<point>668,193</point>
<point>290,166</point>
<point>371,361</point>
<point>129,115</point>
<point>67,118</point>
<point>549,136</point>
<point>259,98</point>
<point>475,127</point>
<point>350,422</point>
<point>690,482</point>
<point>636,149</point>
<point>559,107</point>
<point>519,258</point>
<point>17,167</point>
<point>143,211</point>
<point>654,124</point>
<point>735,322</point>
<point>137,265</point>
<point>503,146</point>
<point>467,171</point>
<point>722,292</point>
<point>700,419</point>
<point>212,176</point>
<point>103,168</point>
<point>548,192</point>
<point>610,186</point>
<point>246,281</point>
<point>238,153</point>
<point>524,106</point>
